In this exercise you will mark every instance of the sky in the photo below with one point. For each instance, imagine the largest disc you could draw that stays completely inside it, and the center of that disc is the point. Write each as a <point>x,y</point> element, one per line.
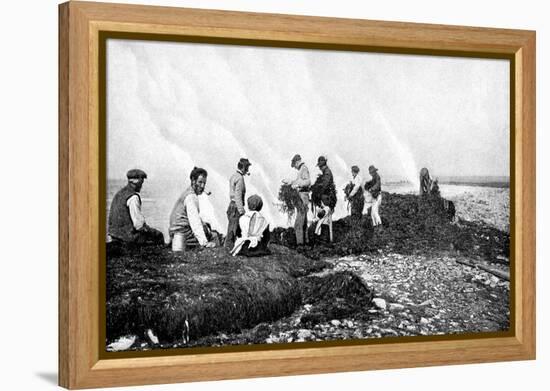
<point>173,106</point>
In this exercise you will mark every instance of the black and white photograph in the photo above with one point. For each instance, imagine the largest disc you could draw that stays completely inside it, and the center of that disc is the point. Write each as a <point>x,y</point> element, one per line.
<point>270,195</point>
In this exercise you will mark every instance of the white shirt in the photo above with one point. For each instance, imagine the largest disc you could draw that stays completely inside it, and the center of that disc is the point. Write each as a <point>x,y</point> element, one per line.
<point>193,215</point>
<point>134,205</point>
<point>357,183</point>
<point>253,225</point>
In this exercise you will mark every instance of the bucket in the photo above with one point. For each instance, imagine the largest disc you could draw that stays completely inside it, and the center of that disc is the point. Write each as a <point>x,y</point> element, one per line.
<point>178,242</point>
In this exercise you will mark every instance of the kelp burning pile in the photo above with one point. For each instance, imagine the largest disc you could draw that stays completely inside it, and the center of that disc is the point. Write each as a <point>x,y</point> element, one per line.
<point>411,224</point>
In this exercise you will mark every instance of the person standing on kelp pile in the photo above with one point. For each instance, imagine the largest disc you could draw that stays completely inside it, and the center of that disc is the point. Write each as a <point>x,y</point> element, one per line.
<point>324,185</point>
<point>187,230</point>
<point>374,187</point>
<point>126,220</point>
<point>425,181</point>
<point>301,184</point>
<point>237,191</point>
<point>356,197</point>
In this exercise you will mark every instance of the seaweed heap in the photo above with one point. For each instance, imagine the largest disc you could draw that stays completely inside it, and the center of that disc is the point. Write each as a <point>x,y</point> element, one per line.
<point>200,292</point>
<point>334,296</point>
<point>410,224</point>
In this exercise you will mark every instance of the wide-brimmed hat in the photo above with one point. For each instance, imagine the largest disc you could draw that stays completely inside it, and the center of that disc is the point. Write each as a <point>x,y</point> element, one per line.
<point>321,160</point>
<point>372,169</point>
<point>136,173</point>
<point>244,162</point>
<point>295,158</point>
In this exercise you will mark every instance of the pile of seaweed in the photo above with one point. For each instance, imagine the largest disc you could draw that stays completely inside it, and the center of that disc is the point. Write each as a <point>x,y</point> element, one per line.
<point>200,292</point>
<point>410,225</point>
<point>334,295</point>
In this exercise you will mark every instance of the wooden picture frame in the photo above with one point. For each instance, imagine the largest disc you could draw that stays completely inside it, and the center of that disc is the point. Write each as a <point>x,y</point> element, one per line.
<point>80,171</point>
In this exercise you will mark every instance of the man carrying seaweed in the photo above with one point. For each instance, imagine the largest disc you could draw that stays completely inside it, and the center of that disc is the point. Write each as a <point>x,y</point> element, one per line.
<point>323,196</point>
<point>356,197</point>
<point>374,187</point>
<point>301,184</point>
<point>126,220</point>
<point>187,230</point>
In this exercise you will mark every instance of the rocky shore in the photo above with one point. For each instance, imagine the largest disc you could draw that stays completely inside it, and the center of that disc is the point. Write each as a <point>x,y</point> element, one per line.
<point>406,278</point>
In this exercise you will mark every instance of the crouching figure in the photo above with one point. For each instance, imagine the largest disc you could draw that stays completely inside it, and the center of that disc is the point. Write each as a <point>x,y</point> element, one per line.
<point>187,230</point>
<point>255,233</point>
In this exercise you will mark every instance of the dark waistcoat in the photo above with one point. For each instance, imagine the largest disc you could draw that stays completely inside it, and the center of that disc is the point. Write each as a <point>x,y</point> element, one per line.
<point>120,223</point>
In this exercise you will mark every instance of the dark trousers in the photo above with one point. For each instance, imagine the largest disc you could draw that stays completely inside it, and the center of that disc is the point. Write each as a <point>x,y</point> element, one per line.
<point>260,250</point>
<point>233,228</point>
<point>357,205</point>
<point>145,236</point>
<point>300,225</point>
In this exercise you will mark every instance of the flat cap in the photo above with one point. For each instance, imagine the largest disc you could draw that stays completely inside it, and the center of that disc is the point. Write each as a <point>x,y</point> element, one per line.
<point>372,169</point>
<point>354,169</point>
<point>321,160</point>
<point>136,173</point>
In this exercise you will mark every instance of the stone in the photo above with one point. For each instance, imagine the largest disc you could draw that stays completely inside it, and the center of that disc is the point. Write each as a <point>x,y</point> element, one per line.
<point>396,307</point>
<point>380,303</point>
<point>304,334</point>
<point>335,322</point>
<point>424,321</point>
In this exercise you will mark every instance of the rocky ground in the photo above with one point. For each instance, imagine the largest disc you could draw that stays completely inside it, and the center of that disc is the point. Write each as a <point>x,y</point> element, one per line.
<point>489,205</point>
<point>408,280</point>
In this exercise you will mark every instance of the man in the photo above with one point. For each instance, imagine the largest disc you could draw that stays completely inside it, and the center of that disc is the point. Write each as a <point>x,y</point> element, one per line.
<point>374,187</point>
<point>324,185</point>
<point>237,191</point>
<point>126,221</point>
<point>302,184</point>
<point>425,181</point>
<point>187,230</point>
<point>356,197</point>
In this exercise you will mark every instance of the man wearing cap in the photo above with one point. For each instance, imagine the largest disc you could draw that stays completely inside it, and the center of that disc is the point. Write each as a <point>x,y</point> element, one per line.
<point>237,191</point>
<point>356,197</point>
<point>126,221</point>
<point>324,185</point>
<point>302,184</point>
<point>374,187</point>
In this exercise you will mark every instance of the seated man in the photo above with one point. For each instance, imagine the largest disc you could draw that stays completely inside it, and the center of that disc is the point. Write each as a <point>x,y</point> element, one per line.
<point>126,221</point>
<point>254,230</point>
<point>187,230</point>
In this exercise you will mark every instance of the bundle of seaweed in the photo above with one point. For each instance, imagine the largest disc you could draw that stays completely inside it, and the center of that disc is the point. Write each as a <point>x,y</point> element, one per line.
<point>200,292</point>
<point>319,189</point>
<point>290,200</point>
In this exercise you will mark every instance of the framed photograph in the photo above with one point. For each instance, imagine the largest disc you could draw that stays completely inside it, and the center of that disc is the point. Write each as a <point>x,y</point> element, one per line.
<point>249,195</point>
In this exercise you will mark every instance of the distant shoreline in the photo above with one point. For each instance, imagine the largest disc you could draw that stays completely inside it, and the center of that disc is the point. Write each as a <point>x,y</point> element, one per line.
<point>499,185</point>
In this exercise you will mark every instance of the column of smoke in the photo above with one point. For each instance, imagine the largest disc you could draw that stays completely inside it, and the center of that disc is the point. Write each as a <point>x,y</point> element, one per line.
<point>214,105</point>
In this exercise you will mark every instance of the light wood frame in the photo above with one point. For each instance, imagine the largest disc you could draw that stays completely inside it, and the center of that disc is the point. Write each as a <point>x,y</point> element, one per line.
<point>80,23</point>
